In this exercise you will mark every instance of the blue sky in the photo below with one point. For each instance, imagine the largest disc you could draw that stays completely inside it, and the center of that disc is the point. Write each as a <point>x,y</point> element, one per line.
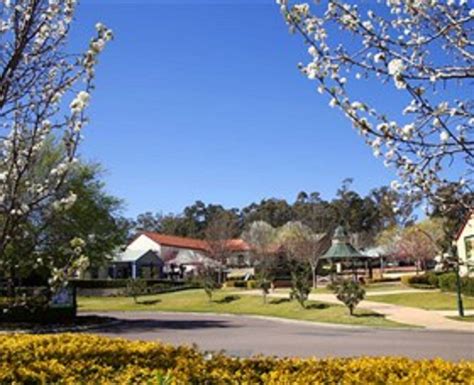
<point>203,100</point>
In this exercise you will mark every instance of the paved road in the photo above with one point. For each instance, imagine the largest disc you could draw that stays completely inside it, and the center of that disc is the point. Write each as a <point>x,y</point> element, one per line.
<point>246,336</point>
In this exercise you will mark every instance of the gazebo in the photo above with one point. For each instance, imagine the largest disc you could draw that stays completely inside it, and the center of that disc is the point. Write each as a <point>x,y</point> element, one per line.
<point>341,251</point>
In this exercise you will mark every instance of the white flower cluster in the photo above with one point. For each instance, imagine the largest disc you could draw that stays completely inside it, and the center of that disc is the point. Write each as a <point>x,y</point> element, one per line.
<point>80,102</point>
<point>65,203</point>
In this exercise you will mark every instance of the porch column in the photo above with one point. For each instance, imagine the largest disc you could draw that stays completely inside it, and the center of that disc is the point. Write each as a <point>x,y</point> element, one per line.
<point>134,270</point>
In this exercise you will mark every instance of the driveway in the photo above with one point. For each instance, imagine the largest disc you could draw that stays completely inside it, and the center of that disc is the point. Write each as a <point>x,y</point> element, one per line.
<point>246,336</point>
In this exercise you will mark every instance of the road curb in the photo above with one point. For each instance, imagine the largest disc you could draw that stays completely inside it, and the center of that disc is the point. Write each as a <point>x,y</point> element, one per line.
<point>267,318</point>
<point>66,329</point>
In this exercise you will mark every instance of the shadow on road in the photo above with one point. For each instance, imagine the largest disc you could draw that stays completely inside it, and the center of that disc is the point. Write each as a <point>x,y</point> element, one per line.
<point>147,325</point>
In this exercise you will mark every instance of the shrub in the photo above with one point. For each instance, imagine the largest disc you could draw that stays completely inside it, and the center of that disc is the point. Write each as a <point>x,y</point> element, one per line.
<point>384,280</point>
<point>90,359</point>
<point>350,293</point>
<point>428,280</point>
<point>447,282</point>
<point>468,286</point>
<point>252,284</point>
<point>240,283</point>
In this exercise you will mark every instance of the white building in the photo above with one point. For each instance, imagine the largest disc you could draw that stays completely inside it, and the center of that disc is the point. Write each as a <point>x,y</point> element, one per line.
<point>184,255</point>
<point>465,245</point>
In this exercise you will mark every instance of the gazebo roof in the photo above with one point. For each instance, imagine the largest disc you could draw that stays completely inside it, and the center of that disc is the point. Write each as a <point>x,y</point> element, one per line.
<point>341,248</point>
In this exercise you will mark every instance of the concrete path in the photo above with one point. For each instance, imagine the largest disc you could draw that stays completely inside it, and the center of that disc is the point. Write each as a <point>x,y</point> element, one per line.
<point>245,336</point>
<point>403,314</point>
<point>383,292</point>
<point>453,313</point>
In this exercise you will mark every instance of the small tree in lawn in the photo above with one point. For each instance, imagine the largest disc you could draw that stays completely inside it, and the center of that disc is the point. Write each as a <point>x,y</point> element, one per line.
<point>135,288</point>
<point>219,232</point>
<point>300,286</point>
<point>262,237</point>
<point>302,245</point>
<point>207,279</point>
<point>264,279</point>
<point>350,293</point>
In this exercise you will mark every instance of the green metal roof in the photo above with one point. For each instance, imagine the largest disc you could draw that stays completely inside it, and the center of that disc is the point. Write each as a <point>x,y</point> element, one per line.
<point>341,251</point>
<point>341,248</point>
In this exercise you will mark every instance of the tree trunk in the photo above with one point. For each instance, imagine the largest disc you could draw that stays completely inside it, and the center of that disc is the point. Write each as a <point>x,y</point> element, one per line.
<point>315,276</point>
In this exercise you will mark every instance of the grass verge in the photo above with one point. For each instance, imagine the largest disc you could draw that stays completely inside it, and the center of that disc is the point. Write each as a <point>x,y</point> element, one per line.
<point>428,301</point>
<point>223,302</point>
<point>468,318</point>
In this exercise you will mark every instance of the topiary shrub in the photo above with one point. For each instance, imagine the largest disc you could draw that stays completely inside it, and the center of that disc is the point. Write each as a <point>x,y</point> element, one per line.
<point>350,293</point>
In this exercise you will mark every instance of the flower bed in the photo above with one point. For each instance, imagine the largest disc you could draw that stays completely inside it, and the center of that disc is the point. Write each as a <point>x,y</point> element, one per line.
<point>89,359</point>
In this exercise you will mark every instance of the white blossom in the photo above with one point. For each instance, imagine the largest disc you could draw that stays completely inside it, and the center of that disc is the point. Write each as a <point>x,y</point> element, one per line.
<point>396,67</point>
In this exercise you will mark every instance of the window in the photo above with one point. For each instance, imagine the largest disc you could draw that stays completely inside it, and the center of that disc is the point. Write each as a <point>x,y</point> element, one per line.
<point>469,244</point>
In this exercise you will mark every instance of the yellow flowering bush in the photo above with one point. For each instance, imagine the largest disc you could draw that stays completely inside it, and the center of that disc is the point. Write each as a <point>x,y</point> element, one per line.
<point>90,359</point>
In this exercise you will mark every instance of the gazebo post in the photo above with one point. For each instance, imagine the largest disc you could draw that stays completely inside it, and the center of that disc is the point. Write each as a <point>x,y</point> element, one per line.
<point>342,250</point>
<point>354,271</point>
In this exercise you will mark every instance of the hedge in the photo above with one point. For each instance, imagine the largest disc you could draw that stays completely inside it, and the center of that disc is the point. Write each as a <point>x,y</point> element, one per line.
<point>443,281</point>
<point>383,280</point>
<point>250,284</point>
<point>423,281</point>
<point>119,283</point>
<point>90,359</point>
<point>447,282</point>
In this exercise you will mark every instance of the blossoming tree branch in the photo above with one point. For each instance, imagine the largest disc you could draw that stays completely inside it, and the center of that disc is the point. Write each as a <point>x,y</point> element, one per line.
<point>44,92</point>
<point>422,50</point>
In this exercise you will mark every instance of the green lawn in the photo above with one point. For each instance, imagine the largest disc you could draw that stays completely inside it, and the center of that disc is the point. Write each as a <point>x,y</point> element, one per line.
<point>224,302</point>
<point>386,287</point>
<point>429,301</point>
<point>369,288</point>
<point>468,318</point>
